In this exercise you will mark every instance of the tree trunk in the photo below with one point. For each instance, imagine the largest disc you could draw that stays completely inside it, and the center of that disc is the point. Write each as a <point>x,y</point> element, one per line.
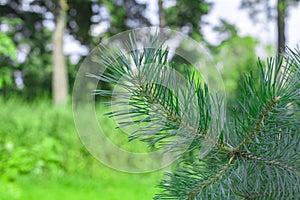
<point>162,21</point>
<point>281,15</point>
<point>59,76</point>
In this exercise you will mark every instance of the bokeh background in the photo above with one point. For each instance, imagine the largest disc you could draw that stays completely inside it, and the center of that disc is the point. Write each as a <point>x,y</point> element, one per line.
<point>42,44</point>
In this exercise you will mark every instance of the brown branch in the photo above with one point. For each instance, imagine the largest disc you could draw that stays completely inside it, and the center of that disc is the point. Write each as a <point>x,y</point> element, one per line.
<point>211,180</point>
<point>174,117</point>
<point>271,104</point>
<point>257,195</point>
<point>269,162</point>
<point>251,196</point>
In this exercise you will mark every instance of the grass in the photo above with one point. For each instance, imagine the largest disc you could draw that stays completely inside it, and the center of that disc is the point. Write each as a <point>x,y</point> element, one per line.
<point>41,157</point>
<point>111,186</point>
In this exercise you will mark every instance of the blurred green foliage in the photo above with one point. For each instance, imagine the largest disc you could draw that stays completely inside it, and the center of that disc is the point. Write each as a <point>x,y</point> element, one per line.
<point>234,56</point>
<point>40,149</point>
<point>32,138</point>
<point>29,33</point>
<point>234,60</point>
<point>38,138</point>
<point>7,55</point>
<point>28,28</point>
<point>188,16</point>
<point>7,47</point>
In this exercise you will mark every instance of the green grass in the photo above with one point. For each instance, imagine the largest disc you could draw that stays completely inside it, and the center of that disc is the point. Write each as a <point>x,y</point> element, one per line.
<point>41,157</point>
<point>111,186</point>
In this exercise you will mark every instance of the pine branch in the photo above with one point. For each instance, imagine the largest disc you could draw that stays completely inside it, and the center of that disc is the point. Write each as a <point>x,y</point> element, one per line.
<point>260,121</point>
<point>257,196</point>
<point>257,153</point>
<point>252,196</point>
<point>157,94</point>
<point>212,179</point>
<point>274,163</point>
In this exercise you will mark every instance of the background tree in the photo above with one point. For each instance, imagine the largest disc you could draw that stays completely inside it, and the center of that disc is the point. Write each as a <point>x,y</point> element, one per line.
<point>59,75</point>
<point>31,39</point>
<point>161,14</point>
<point>186,16</point>
<point>33,35</point>
<point>279,12</point>
<point>8,56</point>
<point>125,15</point>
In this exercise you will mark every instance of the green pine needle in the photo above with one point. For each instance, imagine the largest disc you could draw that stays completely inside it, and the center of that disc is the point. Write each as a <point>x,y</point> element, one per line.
<point>256,155</point>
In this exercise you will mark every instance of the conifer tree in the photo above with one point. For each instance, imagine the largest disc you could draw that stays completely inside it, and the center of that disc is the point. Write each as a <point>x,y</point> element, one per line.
<point>256,152</point>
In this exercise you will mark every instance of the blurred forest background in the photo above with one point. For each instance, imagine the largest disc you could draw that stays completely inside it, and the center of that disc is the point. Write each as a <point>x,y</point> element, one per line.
<point>41,156</point>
